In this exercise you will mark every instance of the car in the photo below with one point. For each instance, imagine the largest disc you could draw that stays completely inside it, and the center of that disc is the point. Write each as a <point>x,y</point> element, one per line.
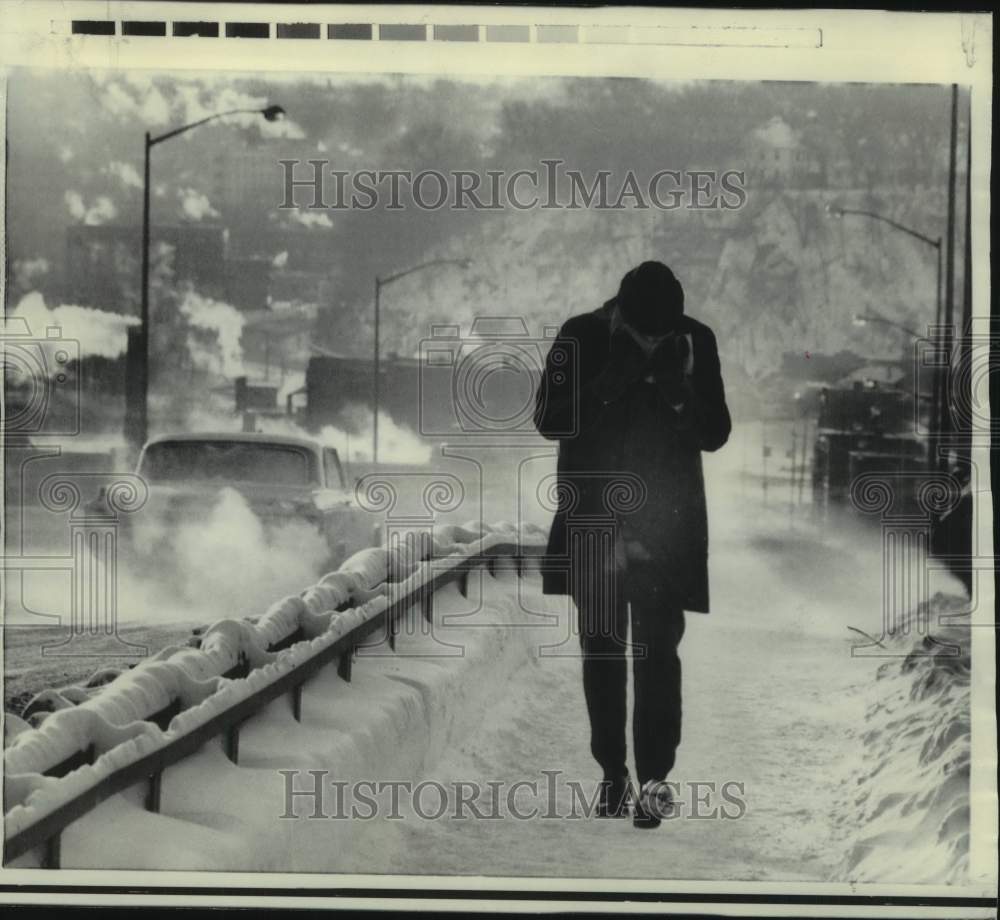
<point>283,479</point>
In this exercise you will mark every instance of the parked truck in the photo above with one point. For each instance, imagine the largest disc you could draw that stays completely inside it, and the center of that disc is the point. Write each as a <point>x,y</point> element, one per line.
<point>867,428</point>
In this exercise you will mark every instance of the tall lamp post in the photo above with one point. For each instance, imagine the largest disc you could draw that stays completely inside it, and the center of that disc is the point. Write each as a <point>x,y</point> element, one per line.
<point>935,243</point>
<point>138,430</point>
<point>380,282</point>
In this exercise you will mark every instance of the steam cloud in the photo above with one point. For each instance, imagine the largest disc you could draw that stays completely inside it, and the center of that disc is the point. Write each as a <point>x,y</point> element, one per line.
<point>97,331</point>
<point>195,205</point>
<point>100,212</point>
<point>397,443</point>
<point>126,173</point>
<point>27,273</point>
<point>310,218</point>
<point>225,564</point>
<point>214,334</point>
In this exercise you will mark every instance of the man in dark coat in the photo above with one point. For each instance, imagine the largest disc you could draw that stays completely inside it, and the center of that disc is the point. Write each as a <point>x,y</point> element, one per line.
<point>633,392</point>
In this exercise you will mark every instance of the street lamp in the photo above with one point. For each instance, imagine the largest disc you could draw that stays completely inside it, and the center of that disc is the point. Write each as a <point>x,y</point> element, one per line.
<point>380,282</point>
<point>935,243</point>
<point>139,431</point>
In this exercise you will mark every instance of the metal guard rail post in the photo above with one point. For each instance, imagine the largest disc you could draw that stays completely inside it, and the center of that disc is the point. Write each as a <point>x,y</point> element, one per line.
<point>46,831</point>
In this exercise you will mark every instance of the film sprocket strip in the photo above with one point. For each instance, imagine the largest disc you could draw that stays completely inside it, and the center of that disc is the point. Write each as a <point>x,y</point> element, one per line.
<point>695,36</point>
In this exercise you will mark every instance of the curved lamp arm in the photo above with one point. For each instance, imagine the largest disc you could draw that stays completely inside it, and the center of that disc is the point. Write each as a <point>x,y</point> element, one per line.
<point>464,263</point>
<point>271,113</point>
<point>840,212</point>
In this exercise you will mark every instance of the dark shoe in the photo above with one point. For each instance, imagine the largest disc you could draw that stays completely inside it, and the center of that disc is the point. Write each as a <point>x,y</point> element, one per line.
<point>615,796</point>
<point>655,802</point>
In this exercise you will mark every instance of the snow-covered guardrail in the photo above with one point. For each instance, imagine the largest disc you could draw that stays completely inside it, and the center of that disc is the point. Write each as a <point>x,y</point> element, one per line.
<point>120,729</point>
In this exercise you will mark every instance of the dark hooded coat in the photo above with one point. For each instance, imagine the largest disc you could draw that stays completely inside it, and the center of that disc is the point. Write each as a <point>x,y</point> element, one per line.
<point>634,461</point>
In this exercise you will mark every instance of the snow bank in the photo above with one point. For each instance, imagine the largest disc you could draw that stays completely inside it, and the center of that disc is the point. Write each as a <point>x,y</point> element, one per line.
<point>109,712</point>
<point>371,564</point>
<point>399,712</point>
<point>905,814</point>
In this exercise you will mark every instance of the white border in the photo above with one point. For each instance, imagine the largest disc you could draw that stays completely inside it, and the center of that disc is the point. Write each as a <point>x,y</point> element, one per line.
<point>855,46</point>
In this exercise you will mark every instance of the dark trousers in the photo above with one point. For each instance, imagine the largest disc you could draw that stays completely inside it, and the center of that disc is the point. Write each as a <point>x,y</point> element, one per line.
<point>656,631</point>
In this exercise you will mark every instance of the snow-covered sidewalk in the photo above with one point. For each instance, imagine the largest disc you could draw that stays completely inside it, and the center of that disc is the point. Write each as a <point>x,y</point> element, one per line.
<point>774,712</point>
<point>773,702</point>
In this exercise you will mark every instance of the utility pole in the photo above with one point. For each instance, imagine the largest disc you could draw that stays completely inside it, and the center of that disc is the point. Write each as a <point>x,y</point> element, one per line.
<point>944,408</point>
<point>938,385</point>
<point>965,345</point>
<point>137,384</point>
<point>376,380</point>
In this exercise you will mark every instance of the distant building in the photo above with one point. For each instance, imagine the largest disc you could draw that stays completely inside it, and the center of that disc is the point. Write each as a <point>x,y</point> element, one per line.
<point>293,286</point>
<point>279,338</point>
<point>309,249</point>
<point>241,175</point>
<point>831,166</point>
<point>103,265</point>
<point>103,262</point>
<point>246,283</point>
<point>777,156</point>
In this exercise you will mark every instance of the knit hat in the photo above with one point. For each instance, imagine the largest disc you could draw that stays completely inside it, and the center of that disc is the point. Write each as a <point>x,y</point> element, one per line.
<point>651,299</point>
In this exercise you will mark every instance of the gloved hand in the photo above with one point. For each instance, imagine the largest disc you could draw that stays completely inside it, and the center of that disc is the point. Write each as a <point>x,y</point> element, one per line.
<point>666,364</point>
<point>624,366</point>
